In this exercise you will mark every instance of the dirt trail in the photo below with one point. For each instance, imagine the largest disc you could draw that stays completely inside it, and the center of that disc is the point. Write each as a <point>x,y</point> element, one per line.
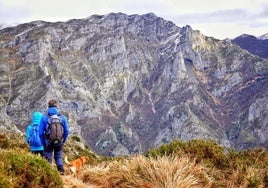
<point>72,182</point>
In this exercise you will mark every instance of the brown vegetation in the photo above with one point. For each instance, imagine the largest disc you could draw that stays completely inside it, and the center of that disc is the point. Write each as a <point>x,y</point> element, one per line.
<point>196,163</point>
<point>140,171</point>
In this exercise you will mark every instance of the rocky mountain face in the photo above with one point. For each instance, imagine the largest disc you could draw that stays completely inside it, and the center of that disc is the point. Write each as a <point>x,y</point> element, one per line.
<point>257,46</point>
<point>127,83</point>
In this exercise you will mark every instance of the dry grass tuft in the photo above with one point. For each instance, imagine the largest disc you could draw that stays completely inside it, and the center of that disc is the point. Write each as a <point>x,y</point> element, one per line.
<point>139,171</point>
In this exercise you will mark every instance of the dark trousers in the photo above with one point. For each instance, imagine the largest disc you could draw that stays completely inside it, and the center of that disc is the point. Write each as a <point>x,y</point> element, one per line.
<point>57,151</point>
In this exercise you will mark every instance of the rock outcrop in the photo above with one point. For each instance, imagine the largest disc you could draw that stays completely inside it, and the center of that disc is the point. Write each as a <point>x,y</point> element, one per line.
<point>131,82</point>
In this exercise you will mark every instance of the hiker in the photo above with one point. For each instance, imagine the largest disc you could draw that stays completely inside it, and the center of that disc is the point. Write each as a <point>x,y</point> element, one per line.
<point>52,141</point>
<point>32,135</point>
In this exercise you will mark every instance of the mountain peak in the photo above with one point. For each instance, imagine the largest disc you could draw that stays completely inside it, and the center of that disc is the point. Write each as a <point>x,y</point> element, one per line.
<point>263,37</point>
<point>257,46</point>
<point>243,36</point>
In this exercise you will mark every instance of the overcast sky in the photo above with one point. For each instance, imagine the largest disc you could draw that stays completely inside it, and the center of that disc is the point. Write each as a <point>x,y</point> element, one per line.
<point>218,18</point>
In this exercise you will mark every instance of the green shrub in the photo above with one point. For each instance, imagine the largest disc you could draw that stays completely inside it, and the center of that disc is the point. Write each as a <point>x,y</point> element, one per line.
<point>13,141</point>
<point>207,151</point>
<point>253,181</point>
<point>76,138</point>
<point>166,149</point>
<point>19,168</point>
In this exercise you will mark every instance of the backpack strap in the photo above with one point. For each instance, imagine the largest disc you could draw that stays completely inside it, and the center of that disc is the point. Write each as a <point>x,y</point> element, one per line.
<point>33,128</point>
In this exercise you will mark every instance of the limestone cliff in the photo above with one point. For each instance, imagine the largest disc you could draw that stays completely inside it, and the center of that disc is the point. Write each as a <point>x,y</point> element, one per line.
<point>131,82</point>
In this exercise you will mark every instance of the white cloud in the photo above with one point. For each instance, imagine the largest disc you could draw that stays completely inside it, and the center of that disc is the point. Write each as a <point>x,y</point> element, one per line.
<point>11,14</point>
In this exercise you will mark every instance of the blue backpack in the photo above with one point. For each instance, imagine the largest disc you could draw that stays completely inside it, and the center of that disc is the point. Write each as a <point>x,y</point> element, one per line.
<point>35,140</point>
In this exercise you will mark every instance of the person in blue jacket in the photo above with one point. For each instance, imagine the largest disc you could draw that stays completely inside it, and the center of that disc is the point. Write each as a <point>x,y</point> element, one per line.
<point>37,148</point>
<point>50,148</point>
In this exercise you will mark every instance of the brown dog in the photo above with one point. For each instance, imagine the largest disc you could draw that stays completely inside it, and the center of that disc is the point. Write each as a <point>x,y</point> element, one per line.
<point>76,165</point>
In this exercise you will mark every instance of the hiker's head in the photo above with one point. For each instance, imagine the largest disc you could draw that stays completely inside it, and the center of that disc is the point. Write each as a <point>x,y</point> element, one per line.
<point>36,117</point>
<point>52,103</point>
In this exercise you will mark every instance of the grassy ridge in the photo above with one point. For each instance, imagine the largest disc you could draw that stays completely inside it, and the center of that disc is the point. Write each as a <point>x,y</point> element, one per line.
<point>196,163</point>
<point>20,168</point>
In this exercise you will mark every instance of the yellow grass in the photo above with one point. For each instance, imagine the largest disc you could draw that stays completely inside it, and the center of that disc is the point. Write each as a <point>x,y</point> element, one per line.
<point>139,171</point>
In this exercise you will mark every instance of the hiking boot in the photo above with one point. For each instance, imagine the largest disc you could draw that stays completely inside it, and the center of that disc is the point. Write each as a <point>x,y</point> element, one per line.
<point>60,169</point>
